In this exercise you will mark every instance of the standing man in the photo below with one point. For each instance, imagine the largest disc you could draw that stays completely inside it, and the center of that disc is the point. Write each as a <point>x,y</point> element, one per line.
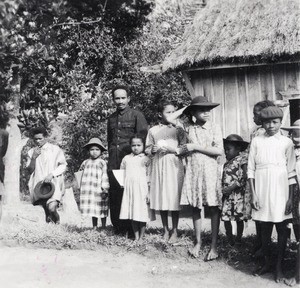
<point>121,126</point>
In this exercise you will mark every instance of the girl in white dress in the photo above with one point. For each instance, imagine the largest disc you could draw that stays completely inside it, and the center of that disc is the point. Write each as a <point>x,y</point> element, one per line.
<point>271,173</point>
<point>136,188</point>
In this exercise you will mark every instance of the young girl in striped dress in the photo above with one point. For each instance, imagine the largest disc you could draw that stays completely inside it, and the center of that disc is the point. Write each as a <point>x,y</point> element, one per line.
<point>94,184</point>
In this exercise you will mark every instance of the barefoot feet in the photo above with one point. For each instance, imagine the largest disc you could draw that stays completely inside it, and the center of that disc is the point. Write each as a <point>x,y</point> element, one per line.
<point>195,251</point>
<point>211,255</point>
<point>174,237</point>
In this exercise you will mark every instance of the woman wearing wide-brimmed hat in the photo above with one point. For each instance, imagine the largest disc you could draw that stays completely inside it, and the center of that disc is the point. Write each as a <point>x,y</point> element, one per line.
<point>94,184</point>
<point>202,185</point>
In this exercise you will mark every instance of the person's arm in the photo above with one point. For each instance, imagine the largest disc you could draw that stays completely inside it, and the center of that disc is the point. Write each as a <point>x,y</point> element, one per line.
<point>104,181</point>
<point>4,143</point>
<point>251,175</point>
<point>291,168</point>
<point>141,127</point>
<point>32,156</point>
<point>109,134</point>
<point>151,148</point>
<point>215,150</point>
<point>61,166</point>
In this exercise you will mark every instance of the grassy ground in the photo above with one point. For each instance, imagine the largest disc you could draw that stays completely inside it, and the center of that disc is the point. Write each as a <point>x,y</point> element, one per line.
<point>24,226</point>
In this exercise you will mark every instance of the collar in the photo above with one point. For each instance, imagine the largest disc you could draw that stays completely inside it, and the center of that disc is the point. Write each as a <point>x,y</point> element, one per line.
<point>166,125</point>
<point>140,155</point>
<point>45,146</point>
<point>205,126</point>
<point>122,112</point>
<point>277,135</point>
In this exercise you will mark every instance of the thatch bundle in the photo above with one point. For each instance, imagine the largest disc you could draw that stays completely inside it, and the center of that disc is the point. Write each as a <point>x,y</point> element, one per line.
<point>239,31</point>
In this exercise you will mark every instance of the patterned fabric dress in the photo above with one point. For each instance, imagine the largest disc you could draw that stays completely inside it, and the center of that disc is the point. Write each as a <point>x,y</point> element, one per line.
<point>94,182</point>
<point>134,202</point>
<point>236,206</point>
<point>167,170</point>
<point>202,180</point>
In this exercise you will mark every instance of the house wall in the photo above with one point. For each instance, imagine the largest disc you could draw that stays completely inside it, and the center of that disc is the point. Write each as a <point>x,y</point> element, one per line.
<point>238,89</point>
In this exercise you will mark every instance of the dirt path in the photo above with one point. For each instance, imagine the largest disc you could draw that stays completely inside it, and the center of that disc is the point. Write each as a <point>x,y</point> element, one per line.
<point>38,268</point>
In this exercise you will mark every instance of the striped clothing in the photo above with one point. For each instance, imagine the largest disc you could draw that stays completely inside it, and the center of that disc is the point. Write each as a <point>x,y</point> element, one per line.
<point>93,188</point>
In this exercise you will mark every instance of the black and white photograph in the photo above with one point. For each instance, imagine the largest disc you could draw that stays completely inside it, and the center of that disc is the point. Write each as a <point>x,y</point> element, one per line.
<point>149,143</point>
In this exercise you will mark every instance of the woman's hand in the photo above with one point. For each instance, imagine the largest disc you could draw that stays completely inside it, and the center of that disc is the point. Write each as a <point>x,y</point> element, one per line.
<point>255,203</point>
<point>288,207</point>
<point>167,150</point>
<point>154,149</point>
<point>190,147</point>
<point>104,195</point>
<point>36,152</point>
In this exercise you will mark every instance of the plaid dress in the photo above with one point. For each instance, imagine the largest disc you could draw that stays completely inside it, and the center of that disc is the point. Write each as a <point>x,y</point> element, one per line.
<point>94,182</point>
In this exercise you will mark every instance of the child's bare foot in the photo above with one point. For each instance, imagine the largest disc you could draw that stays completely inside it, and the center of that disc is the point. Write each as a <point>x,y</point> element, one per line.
<point>279,277</point>
<point>166,235</point>
<point>174,237</point>
<point>291,281</point>
<point>95,228</point>
<point>262,270</point>
<point>211,255</point>
<point>195,251</point>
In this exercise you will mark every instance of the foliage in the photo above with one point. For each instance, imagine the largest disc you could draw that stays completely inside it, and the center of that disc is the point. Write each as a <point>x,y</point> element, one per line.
<point>67,55</point>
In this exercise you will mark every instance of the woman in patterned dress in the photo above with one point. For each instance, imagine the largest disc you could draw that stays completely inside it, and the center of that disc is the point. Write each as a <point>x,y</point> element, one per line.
<point>236,202</point>
<point>202,181</point>
<point>94,184</point>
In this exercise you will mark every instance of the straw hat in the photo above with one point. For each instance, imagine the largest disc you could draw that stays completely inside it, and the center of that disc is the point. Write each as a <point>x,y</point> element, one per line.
<point>295,126</point>
<point>43,190</point>
<point>97,142</point>
<point>200,102</point>
<point>236,140</point>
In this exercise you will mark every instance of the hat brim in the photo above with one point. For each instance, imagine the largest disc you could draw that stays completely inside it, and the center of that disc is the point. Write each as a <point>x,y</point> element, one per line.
<point>209,105</point>
<point>290,128</point>
<point>243,144</point>
<point>38,195</point>
<point>102,148</point>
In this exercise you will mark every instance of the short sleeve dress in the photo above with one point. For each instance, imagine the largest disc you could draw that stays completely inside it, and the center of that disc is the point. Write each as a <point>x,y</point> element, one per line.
<point>94,180</point>
<point>202,180</point>
<point>134,202</point>
<point>167,170</point>
<point>236,206</point>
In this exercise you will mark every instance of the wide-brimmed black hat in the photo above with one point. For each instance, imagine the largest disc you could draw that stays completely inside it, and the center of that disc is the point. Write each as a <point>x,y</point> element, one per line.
<point>236,140</point>
<point>200,102</point>
<point>43,190</point>
<point>97,142</point>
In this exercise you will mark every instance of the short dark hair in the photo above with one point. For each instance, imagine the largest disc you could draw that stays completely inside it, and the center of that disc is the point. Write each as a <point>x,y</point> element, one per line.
<point>138,136</point>
<point>163,104</point>
<point>123,87</point>
<point>38,130</point>
<point>263,104</point>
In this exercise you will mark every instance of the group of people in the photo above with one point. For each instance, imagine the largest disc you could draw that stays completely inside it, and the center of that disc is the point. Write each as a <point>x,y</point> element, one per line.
<point>175,163</point>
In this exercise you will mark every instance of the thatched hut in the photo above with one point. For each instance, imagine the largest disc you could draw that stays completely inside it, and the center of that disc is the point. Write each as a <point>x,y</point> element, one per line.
<point>238,52</point>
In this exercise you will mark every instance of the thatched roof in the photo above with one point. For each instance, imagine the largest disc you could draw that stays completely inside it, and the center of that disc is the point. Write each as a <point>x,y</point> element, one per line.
<point>239,31</point>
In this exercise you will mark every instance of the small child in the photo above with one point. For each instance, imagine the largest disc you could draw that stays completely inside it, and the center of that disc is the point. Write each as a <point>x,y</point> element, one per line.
<point>295,134</point>
<point>167,171</point>
<point>271,174</point>
<point>136,189</point>
<point>94,184</point>
<point>236,204</point>
<point>202,182</point>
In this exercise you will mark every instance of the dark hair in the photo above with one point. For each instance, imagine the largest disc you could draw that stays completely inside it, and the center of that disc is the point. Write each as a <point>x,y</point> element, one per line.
<point>123,87</point>
<point>163,104</point>
<point>263,104</point>
<point>138,136</point>
<point>38,130</point>
<point>4,117</point>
